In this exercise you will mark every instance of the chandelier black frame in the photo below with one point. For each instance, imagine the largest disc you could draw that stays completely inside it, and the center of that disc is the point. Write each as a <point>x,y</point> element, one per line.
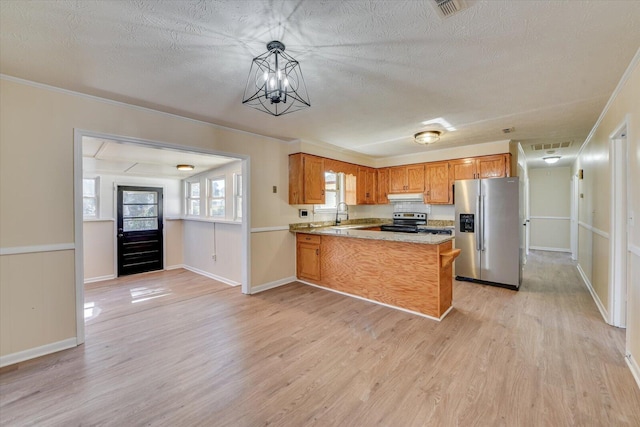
<point>275,84</point>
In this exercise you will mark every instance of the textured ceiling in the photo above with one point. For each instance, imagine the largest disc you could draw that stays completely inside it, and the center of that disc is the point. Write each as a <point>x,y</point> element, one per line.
<point>374,69</point>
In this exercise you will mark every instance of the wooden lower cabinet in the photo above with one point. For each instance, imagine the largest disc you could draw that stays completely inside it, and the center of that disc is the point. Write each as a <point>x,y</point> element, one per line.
<point>308,256</point>
<point>378,270</point>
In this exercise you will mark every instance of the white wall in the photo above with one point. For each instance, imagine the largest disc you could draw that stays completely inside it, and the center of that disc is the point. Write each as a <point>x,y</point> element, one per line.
<point>550,207</point>
<point>203,239</point>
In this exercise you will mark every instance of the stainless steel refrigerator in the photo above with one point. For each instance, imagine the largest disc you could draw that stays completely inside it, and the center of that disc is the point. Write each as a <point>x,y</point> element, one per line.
<point>488,228</point>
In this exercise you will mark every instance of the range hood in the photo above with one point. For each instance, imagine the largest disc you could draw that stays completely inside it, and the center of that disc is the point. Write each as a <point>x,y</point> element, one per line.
<point>406,197</point>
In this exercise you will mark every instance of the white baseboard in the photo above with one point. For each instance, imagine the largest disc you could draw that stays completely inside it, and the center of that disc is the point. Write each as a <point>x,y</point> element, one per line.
<point>99,278</point>
<point>175,267</point>
<point>544,248</point>
<point>271,285</point>
<point>32,353</point>
<point>596,298</point>
<point>635,369</point>
<point>211,276</point>
<point>379,303</point>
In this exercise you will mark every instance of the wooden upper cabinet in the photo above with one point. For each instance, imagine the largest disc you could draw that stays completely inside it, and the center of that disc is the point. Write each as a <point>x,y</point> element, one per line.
<point>406,179</point>
<point>497,166</point>
<point>493,166</point>
<point>436,182</point>
<point>366,185</point>
<point>383,186</point>
<point>306,179</point>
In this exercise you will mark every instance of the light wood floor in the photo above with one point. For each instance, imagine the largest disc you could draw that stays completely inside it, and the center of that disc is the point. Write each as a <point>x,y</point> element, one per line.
<point>201,353</point>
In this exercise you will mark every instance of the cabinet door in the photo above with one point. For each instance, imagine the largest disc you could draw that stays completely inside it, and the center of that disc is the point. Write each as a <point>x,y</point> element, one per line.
<point>313,170</point>
<point>463,169</point>
<point>361,186</point>
<point>383,186</point>
<point>397,179</point>
<point>491,166</point>
<point>372,178</point>
<point>308,257</point>
<point>415,178</point>
<point>437,183</point>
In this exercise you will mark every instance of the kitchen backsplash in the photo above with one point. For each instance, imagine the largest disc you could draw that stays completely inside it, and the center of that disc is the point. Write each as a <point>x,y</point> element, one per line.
<point>411,207</point>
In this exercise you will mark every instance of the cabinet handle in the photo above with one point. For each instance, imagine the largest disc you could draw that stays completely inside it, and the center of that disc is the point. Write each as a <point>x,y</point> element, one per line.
<point>428,192</point>
<point>317,251</point>
<point>323,192</point>
<point>307,238</point>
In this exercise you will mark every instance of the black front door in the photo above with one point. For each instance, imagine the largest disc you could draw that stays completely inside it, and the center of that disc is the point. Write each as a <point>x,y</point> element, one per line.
<point>139,229</point>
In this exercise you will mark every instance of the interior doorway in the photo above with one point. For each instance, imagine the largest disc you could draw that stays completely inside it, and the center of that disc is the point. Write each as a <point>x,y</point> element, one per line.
<point>109,224</point>
<point>620,187</point>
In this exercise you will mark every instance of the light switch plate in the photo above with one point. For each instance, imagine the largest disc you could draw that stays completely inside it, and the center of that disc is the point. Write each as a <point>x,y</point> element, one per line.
<point>303,213</point>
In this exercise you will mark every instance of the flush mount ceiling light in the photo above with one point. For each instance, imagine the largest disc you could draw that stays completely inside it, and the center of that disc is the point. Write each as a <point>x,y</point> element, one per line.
<point>275,84</point>
<point>551,159</point>
<point>426,137</point>
<point>185,167</point>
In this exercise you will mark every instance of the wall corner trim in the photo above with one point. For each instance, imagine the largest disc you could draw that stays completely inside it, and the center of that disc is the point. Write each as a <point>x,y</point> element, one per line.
<point>32,353</point>
<point>633,365</point>
<point>276,283</point>
<point>596,298</point>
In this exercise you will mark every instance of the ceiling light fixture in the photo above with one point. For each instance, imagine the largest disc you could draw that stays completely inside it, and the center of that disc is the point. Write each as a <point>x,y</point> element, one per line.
<point>427,137</point>
<point>275,84</point>
<point>185,167</point>
<point>551,159</point>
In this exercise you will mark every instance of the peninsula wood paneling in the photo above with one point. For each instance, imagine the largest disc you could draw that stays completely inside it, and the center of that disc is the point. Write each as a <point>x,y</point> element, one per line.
<point>405,275</point>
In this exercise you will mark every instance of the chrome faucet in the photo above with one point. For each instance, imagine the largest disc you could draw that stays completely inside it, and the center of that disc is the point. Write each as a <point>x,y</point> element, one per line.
<point>338,211</point>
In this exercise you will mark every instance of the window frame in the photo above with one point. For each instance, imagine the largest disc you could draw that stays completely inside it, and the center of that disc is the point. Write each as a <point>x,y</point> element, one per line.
<point>189,198</point>
<point>340,194</point>
<point>96,197</point>
<point>211,198</point>
<point>237,197</point>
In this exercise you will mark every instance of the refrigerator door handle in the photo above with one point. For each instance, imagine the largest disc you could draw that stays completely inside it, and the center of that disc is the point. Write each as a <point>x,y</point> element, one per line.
<point>482,222</point>
<point>478,226</point>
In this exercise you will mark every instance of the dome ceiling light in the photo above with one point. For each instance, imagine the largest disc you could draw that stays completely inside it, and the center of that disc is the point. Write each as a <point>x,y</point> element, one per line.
<point>551,159</point>
<point>426,137</point>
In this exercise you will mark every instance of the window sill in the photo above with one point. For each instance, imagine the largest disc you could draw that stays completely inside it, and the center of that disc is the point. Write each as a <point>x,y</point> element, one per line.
<point>97,219</point>
<point>212,220</point>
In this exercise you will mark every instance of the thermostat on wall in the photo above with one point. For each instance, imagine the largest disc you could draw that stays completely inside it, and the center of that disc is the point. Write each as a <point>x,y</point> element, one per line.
<point>303,213</point>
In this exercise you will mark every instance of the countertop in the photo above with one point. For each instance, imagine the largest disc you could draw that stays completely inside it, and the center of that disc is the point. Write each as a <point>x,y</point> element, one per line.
<point>356,231</point>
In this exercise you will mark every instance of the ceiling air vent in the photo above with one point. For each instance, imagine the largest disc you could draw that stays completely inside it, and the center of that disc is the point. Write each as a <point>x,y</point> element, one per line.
<point>551,146</point>
<point>447,8</point>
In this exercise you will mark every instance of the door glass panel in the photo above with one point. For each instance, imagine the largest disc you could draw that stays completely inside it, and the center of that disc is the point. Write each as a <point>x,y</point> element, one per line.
<point>140,224</point>
<point>136,211</point>
<point>139,197</point>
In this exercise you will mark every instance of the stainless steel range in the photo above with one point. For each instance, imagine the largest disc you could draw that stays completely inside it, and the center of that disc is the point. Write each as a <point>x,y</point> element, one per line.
<point>412,222</point>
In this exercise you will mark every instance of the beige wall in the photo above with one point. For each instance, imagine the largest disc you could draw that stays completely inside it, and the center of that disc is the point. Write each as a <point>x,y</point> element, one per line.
<point>38,129</point>
<point>595,205</point>
<point>550,208</point>
<point>98,250</point>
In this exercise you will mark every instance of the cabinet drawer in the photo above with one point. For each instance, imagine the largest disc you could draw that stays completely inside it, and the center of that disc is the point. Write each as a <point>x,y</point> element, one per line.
<point>308,238</point>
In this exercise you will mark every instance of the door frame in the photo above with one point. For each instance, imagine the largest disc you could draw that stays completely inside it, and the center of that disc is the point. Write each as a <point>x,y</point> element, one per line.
<point>78,219</point>
<point>618,244</point>
<point>116,216</point>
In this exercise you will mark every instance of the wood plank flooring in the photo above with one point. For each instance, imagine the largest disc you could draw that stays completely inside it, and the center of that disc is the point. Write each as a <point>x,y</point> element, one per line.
<point>193,351</point>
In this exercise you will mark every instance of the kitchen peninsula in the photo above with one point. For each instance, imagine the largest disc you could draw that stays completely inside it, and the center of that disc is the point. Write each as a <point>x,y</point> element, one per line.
<point>411,272</point>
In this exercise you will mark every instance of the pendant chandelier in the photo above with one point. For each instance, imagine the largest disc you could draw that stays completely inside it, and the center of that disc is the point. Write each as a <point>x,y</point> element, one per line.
<point>275,84</point>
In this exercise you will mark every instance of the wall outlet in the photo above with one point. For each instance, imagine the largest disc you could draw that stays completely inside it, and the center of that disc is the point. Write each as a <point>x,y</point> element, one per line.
<point>213,257</point>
